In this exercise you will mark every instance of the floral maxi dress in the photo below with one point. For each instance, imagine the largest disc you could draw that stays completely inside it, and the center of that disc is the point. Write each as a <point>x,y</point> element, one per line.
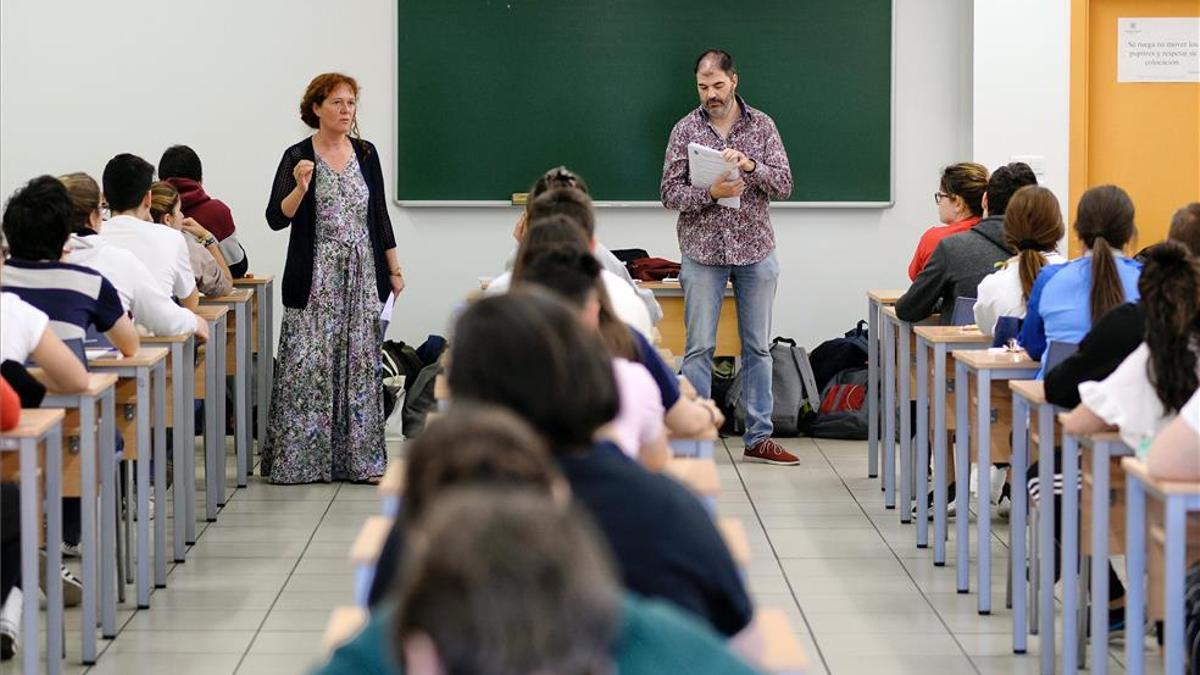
<point>326,418</point>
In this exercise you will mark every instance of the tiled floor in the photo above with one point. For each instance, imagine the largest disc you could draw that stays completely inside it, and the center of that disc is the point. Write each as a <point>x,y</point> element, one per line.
<point>255,592</point>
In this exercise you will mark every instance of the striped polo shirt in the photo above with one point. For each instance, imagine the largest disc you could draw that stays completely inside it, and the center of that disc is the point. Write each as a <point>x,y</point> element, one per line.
<point>74,297</point>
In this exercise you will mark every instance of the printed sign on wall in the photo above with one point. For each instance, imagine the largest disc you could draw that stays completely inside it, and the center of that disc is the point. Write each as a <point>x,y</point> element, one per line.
<point>1158,49</point>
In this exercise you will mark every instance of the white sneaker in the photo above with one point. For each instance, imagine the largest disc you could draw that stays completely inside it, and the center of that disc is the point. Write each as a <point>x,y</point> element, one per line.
<point>10,623</point>
<point>70,550</point>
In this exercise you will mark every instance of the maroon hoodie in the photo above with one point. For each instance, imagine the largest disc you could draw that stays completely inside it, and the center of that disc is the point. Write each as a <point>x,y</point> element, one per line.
<point>211,213</point>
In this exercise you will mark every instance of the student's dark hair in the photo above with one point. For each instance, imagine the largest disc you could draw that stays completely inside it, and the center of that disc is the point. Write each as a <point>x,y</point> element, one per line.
<point>1170,290</point>
<point>37,219</point>
<point>1004,183</point>
<point>474,445</point>
<point>967,181</point>
<point>1104,223</point>
<point>717,57</point>
<point>85,199</point>
<point>563,383</point>
<point>570,202</point>
<point>546,231</point>
<point>506,583</point>
<point>1032,226</point>
<point>1185,227</point>
<point>127,179</point>
<point>180,161</point>
<point>558,177</point>
<point>570,270</point>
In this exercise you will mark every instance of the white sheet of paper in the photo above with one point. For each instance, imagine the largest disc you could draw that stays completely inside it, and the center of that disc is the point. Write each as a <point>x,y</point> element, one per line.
<point>386,315</point>
<point>706,165</point>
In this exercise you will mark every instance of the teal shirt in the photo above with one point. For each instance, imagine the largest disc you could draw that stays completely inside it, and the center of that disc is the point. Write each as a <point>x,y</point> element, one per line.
<point>654,638</point>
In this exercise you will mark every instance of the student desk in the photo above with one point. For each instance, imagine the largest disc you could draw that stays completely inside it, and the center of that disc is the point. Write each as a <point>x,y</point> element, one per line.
<point>1030,395</point>
<point>214,408</point>
<point>876,300</point>
<point>344,623</point>
<point>782,653</point>
<point>1177,500</point>
<point>698,475</point>
<point>441,392</point>
<point>364,553</point>
<point>986,367</point>
<point>1104,450</point>
<point>733,533</point>
<point>391,487</point>
<point>239,336</point>
<point>95,409</point>
<point>179,410</point>
<point>669,295</point>
<point>700,446</point>
<point>261,315</point>
<point>142,392</point>
<point>38,427</point>
<point>938,342</point>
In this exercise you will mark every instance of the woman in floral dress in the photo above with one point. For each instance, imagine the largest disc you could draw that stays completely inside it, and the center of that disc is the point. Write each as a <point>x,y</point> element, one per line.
<point>326,420</point>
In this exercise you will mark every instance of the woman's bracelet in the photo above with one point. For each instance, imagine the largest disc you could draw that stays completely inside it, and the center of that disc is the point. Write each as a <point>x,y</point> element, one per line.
<point>396,273</point>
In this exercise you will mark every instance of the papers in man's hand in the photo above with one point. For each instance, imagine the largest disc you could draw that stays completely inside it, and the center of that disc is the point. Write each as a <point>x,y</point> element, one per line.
<point>706,166</point>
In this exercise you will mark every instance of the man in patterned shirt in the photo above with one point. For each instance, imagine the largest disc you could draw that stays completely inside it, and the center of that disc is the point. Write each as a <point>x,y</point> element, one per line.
<point>721,244</point>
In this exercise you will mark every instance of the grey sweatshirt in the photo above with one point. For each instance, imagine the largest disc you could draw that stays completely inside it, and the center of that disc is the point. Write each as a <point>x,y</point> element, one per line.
<point>954,270</point>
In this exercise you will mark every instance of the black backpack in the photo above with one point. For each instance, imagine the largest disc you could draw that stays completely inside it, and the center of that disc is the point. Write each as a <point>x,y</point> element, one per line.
<point>834,356</point>
<point>399,360</point>
<point>419,400</point>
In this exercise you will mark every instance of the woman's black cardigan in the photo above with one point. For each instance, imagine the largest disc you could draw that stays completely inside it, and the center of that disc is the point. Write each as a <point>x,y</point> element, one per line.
<point>302,242</point>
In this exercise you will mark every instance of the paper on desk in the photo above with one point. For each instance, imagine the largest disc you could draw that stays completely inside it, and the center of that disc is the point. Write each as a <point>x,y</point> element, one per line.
<point>706,165</point>
<point>93,353</point>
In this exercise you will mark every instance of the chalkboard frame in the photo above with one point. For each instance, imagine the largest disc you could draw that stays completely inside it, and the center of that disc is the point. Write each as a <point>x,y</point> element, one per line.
<point>635,204</point>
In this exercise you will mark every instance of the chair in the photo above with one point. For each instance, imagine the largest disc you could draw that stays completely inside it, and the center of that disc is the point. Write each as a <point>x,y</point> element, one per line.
<point>1057,352</point>
<point>964,312</point>
<point>1007,328</point>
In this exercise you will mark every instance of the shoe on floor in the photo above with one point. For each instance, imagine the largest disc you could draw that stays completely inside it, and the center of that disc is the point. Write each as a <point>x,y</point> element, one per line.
<point>71,585</point>
<point>70,550</point>
<point>769,452</point>
<point>10,623</point>
<point>951,507</point>
<point>1004,505</point>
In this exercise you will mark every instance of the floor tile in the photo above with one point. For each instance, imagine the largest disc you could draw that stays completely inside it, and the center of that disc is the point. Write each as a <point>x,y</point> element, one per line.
<point>272,664</point>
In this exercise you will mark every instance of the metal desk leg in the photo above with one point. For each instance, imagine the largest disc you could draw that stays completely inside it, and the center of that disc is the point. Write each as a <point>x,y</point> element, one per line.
<point>264,387</point>
<point>29,553</point>
<point>189,433</point>
<point>1100,494</point>
<point>211,432</point>
<point>939,455</point>
<point>922,467</point>
<point>872,390</point>
<point>222,446</point>
<point>179,442</point>
<point>888,445</point>
<point>108,518</point>
<point>1016,523</point>
<point>1070,552</point>
<point>1135,565</point>
<point>241,386</point>
<point>983,509</point>
<point>54,526</point>
<point>143,492</point>
<point>1046,534</point>
<point>1173,576</point>
<point>962,476</point>
<point>906,459</point>
<point>89,449</point>
<point>160,474</point>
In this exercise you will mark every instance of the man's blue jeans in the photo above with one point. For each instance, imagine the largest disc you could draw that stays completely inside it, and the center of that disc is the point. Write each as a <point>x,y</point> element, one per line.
<point>754,290</point>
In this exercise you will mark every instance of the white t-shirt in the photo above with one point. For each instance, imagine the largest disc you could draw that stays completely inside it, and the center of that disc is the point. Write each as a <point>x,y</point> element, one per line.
<point>1000,294</point>
<point>625,302</point>
<point>152,308</point>
<point>1127,400</point>
<point>21,328</point>
<point>161,249</point>
<point>640,418</point>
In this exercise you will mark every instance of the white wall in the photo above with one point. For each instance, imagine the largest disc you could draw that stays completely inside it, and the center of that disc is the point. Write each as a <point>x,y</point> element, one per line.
<point>82,81</point>
<point>1022,86</point>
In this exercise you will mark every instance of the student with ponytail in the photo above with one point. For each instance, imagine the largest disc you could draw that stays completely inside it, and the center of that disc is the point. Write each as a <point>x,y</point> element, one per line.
<point>1032,226</point>
<point>1153,383</point>
<point>1067,299</point>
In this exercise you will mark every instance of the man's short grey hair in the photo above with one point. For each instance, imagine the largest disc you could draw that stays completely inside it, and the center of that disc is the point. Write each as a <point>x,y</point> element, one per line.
<point>718,58</point>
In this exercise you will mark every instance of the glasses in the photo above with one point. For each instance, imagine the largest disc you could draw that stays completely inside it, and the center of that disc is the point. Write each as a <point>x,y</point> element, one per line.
<point>939,196</point>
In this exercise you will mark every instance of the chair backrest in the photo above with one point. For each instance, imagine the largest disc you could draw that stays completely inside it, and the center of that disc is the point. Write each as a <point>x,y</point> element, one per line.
<point>964,312</point>
<point>77,348</point>
<point>1057,352</point>
<point>96,340</point>
<point>1007,328</point>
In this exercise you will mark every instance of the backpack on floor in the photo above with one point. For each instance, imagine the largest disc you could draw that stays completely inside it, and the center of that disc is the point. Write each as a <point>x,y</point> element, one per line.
<point>843,410</point>
<point>724,374</point>
<point>419,400</point>
<point>792,386</point>
<point>834,356</point>
<point>400,367</point>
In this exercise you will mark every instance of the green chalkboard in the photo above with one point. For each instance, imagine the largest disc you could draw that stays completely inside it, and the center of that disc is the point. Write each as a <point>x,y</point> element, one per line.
<point>493,92</point>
